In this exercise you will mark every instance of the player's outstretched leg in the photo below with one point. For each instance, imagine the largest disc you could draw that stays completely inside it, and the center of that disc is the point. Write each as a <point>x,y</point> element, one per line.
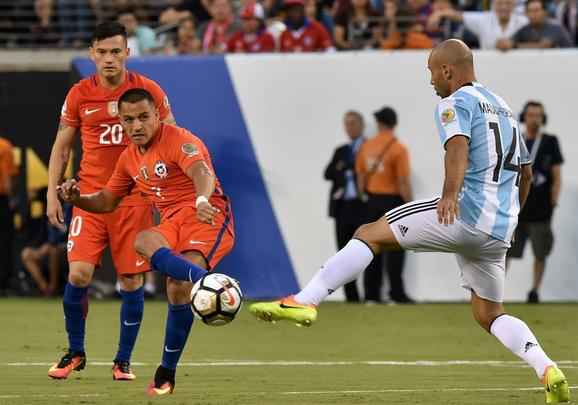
<point>131,314</point>
<point>155,248</point>
<point>343,267</point>
<point>75,304</point>
<point>178,326</point>
<point>519,339</point>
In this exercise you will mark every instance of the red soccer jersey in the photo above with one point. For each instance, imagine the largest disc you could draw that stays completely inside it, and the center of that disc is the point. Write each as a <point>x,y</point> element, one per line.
<point>251,43</point>
<point>94,109</point>
<point>159,172</point>
<point>311,38</point>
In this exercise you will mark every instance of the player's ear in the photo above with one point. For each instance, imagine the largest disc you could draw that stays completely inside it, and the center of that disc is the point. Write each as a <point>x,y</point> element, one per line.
<point>91,53</point>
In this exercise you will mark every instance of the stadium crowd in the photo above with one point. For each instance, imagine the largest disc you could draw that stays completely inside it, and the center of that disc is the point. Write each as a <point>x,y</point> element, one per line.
<point>170,27</point>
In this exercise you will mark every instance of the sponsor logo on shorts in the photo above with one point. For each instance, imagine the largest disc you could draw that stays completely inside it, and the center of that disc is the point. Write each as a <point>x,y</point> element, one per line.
<point>197,242</point>
<point>161,169</point>
<point>140,262</point>
<point>403,229</point>
<point>69,245</point>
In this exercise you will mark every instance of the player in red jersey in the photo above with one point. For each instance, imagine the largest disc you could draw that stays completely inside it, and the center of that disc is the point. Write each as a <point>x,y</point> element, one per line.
<point>254,36</point>
<point>302,34</point>
<point>91,109</point>
<point>172,169</point>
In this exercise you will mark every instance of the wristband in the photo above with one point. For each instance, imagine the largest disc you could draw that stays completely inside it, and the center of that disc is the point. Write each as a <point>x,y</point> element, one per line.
<point>201,199</point>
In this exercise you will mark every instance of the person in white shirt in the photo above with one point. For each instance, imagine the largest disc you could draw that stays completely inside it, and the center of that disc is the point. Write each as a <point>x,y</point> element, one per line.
<point>494,28</point>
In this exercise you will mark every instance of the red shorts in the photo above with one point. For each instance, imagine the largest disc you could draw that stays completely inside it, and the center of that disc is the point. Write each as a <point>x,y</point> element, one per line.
<point>185,233</point>
<point>90,233</point>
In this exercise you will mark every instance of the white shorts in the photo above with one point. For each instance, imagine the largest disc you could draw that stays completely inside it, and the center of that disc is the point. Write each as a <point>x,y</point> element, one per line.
<point>481,258</point>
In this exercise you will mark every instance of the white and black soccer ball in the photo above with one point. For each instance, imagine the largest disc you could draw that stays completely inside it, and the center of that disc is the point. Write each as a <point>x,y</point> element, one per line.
<point>216,299</point>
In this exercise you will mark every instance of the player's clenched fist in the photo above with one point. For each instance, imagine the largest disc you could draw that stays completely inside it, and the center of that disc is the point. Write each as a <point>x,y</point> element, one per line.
<point>68,191</point>
<point>205,211</point>
<point>448,210</point>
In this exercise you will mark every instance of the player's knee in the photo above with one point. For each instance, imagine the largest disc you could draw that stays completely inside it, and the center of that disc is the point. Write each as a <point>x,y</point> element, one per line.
<point>80,275</point>
<point>130,282</point>
<point>146,243</point>
<point>26,254</point>
<point>178,292</point>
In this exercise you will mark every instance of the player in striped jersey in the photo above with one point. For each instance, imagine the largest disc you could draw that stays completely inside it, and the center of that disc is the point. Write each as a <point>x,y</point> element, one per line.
<point>487,178</point>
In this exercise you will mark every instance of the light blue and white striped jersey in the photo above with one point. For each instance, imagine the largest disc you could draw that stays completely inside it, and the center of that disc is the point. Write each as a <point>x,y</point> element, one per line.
<point>489,199</point>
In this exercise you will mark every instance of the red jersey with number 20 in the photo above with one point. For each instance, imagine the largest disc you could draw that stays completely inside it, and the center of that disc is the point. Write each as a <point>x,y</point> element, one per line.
<point>94,109</point>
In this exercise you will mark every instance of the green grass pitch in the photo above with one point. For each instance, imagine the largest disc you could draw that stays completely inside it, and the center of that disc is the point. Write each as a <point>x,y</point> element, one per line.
<point>355,354</point>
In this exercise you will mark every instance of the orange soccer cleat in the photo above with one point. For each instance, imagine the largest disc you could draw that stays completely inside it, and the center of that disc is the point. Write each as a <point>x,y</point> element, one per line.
<point>121,371</point>
<point>163,383</point>
<point>69,362</point>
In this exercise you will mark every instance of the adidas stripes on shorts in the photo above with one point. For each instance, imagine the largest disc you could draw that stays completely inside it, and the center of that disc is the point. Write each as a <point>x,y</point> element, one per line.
<point>480,257</point>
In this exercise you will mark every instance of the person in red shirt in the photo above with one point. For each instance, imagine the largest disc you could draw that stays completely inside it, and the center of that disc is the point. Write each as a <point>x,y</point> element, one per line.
<point>91,109</point>
<point>172,169</point>
<point>253,37</point>
<point>303,34</point>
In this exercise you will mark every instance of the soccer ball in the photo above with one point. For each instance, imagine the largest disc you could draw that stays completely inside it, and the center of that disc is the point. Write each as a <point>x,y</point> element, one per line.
<point>216,299</point>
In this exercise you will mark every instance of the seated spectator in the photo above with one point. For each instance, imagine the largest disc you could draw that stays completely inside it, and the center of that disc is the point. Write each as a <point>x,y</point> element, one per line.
<point>539,33</point>
<point>173,11</point>
<point>253,37</point>
<point>185,41</point>
<point>566,13</point>
<point>141,39</point>
<point>314,10</point>
<point>301,33</point>
<point>215,33</point>
<point>48,257</point>
<point>76,20</point>
<point>421,9</point>
<point>356,26</point>
<point>493,28</point>
<point>44,31</point>
<point>404,31</point>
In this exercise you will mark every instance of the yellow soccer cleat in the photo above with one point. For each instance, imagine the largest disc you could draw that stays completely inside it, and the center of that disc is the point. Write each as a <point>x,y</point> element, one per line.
<point>285,309</point>
<point>556,386</point>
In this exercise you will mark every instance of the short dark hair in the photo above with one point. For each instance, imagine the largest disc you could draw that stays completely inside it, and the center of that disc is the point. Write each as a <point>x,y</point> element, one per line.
<point>356,114</point>
<point>127,10</point>
<point>134,96</point>
<point>387,117</point>
<point>107,30</point>
<point>542,2</point>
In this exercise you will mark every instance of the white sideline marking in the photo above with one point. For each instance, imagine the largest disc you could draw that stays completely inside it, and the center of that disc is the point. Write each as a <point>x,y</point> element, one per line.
<point>575,387</point>
<point>52,396</point>
<point>283,363</point>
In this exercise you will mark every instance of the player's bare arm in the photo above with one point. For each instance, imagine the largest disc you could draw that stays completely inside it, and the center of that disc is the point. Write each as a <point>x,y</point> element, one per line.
<point>59,157</point>
<point>525,183</point>
<point>456,163</point>
<point>100,202</point>
<point>204,180</point>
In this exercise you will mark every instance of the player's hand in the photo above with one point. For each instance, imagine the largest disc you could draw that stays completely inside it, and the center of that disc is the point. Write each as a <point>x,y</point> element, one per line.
<point>68,191</point>
<point>448,210</point>
<point>206,212</point>
<point>54,212</point>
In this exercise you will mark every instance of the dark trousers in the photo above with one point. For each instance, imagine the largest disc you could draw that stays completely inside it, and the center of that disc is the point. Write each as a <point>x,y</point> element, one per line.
<point>6,238</point>
<point>350,216</point>
<point>377,206</point>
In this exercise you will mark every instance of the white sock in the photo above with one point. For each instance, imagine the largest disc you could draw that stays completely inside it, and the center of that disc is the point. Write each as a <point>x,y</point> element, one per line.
<point>516,336</point>
<point>340,269</point>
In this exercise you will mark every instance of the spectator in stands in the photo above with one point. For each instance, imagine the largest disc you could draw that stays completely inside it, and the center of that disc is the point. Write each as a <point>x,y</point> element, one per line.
<point>7,172</point>
<point>539,33</point>
<point>76,19</point>
<point>345,204</point>
<point>421,10</point>
<point>446,28</point>
<point>49,255</point>
<point>356,26</point>
<point>185,41</point>
<point>253,37</point>
<point>566,14</point>
<point>404,31</point>
<point>383,174</point>
<point>301,33</point>
<point>141,39</point>
<point>536,216</point>
<point>215,33</point>
<point>173,11</point>
<point>44,30</point>
<point>493,28</point>
<point>314,10</point>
